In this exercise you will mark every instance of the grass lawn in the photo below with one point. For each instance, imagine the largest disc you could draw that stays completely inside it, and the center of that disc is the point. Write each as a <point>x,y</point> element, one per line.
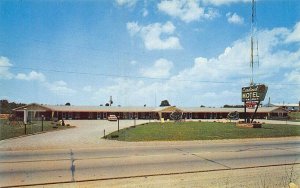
<point>200,131</point>
<point>17,129</point>
<point>294,116</point>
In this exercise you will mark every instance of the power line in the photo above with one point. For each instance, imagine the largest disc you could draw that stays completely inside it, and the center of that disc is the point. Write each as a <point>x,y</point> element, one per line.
<point>135,77</point>
<point>53,45</point>
<point>114,75</point>
<point>67,63</point>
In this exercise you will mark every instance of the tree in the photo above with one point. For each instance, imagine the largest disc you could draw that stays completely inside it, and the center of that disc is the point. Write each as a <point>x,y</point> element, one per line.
<point>176,115</point>
<point>6,107</point>
<point>107,104</point>
<point>164,103</point>
<point>232,106</point>
<point>68,104</point>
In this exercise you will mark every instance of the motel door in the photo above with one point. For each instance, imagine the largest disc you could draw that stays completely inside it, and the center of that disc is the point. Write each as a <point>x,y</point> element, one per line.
<point>130,116</point>
<point>99,115</point>
<point>30,115</point>
<point>70,115</point>
<point>64,115</point>
<point>104,115</point>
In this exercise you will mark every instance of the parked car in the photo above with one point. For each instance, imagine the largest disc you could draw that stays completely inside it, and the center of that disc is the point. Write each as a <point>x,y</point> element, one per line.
<point>112,118</point>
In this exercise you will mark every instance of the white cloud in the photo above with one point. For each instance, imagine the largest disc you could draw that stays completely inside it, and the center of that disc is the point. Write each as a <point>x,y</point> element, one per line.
<point>128,3</point>
<point>294,36</point>
<point>160,69</point>
<point>4,68</point>
<point>152,35</point>
<point>223,2</point>
<point>293,76</point>
<point>133,28</point>
<point>234,61</point>
<point>59,88</point>
<point>133,62</point>
<point>277,66</point>
<point>56,87</point>
<point>87,88</point>
<point>33,75</point>
<point>145,12</point>
<point>186,10</point>
<point>234,18</point>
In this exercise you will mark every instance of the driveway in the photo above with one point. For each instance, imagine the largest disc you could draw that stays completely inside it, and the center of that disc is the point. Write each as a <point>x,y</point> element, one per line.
<point>87,133</point>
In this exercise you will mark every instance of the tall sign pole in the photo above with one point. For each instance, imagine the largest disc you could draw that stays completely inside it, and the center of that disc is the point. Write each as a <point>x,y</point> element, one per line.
<point>252,35</point>
<point>245,112</point>
<point>254,93</point>
<point>253,115</point>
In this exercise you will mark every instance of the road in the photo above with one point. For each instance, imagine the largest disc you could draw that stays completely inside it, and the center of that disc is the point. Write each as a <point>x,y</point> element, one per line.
<point>48,167</point>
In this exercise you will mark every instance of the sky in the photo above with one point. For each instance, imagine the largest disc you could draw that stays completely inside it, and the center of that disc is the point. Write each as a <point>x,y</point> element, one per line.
<point>189,52</point>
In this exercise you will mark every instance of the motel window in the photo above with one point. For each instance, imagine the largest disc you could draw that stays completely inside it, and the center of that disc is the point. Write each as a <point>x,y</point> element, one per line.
<point>77,115</point>
<point>90,115</point>
<point>70,115</point>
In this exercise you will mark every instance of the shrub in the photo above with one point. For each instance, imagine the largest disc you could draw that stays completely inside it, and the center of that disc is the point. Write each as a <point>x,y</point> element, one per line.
<point>114,136</point>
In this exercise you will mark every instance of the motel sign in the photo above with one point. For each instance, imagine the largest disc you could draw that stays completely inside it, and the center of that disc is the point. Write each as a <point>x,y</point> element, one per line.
<point>254,93</point>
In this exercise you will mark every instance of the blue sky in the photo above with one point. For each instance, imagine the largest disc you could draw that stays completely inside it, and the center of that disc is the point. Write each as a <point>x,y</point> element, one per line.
<point>191,53</point>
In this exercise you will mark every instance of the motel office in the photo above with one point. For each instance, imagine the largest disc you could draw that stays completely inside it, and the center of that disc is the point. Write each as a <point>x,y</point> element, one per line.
<point>57,112</point>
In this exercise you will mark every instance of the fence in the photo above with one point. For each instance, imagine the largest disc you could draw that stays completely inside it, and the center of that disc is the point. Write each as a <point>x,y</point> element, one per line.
<point>14,128</point>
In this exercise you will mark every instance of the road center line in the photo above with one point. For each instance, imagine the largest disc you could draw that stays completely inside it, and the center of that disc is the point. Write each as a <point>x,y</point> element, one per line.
<point>72,166</point>
<point>211,161</point>
<point>203,158</point>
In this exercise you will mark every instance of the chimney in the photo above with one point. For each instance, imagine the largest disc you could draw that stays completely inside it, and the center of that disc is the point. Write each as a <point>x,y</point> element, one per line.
<point>110,101</point>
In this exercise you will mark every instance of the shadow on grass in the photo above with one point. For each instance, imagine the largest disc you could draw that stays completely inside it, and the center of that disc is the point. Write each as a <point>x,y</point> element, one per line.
<point>267,128</point>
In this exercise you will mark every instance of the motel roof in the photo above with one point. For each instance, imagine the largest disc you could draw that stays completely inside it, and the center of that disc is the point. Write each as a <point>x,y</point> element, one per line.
<point>287,105</point>
<point>227,110</point>
<point>63,108</point>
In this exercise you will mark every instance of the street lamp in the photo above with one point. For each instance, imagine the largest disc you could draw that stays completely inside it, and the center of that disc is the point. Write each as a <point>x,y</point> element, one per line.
<point>25,118</point>
<point>118,123</point>
<point>134,120</point>
<point>42,123</point>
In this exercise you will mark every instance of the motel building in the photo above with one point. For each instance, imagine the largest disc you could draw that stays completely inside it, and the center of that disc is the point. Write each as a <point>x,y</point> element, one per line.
<point>57,112</point>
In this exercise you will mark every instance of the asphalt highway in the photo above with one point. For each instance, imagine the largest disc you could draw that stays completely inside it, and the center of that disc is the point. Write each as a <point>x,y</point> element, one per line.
<point>47,167</point>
